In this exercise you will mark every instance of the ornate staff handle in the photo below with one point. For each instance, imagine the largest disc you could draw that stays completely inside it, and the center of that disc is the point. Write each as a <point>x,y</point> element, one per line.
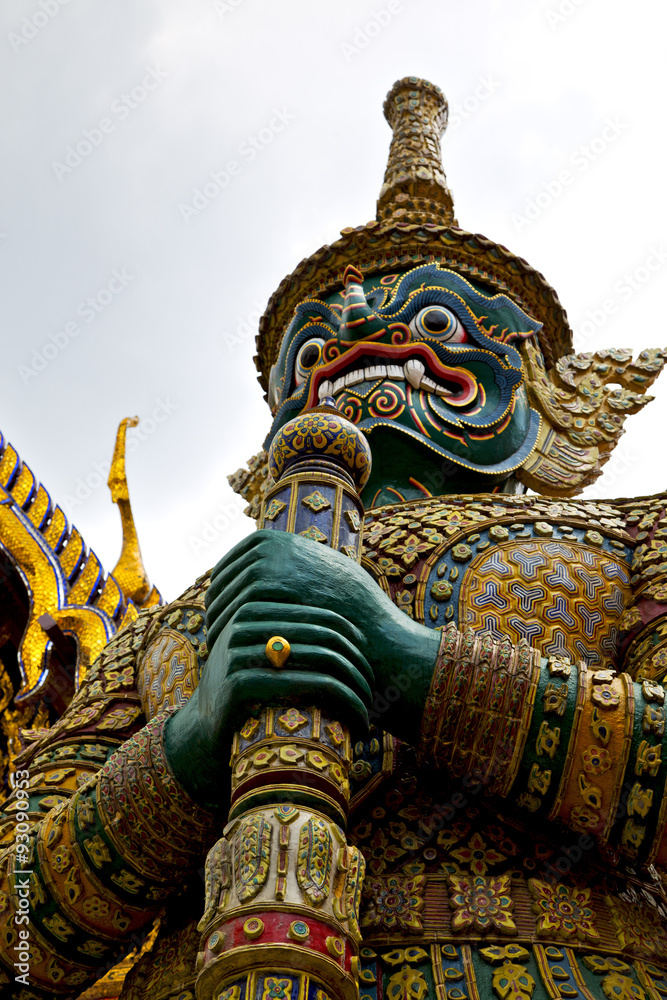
<point>283,885</point>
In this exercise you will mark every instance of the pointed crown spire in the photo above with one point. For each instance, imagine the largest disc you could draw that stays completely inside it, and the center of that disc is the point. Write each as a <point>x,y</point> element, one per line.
<point>415,187</point>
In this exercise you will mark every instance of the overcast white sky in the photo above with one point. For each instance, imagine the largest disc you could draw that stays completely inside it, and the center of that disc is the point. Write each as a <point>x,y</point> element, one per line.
<point>169,92</point>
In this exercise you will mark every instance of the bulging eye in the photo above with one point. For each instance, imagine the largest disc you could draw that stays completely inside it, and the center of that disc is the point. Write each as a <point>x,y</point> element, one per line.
<point>308,356</point>
<point>439,323</point>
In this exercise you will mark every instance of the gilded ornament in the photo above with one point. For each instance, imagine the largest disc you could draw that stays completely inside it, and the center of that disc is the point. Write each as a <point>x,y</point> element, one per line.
<point>277,651</point>
<point>298,930</point>
<point>314,861</point>
<point>640,801</point>
<point>547,740</point>
<point>316,502</point>
<point>539,780</point>
<point>600,727</point>
<point>649,759</point>
<point>554,700</point>
<point>653,692</point>
<point>407,984</point>
<point>559,666</point>
<point>253,928</point>
<point>632,836</point>
<point>249,728</point>
<point>596,760</point>
<point>605,696</point>
<point>394,903</point>
<point>482,903</point>
<point>292,719</point>
<point>653,720</point>
<point>562,911</point>
<point>314,534</point>
<point>590,793</point>
<point>274,509</point>
<point>252,852</point>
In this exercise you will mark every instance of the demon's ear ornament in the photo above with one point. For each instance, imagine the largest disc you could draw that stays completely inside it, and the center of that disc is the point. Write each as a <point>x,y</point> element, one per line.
<point>252,482</point>
<point>583,401</point>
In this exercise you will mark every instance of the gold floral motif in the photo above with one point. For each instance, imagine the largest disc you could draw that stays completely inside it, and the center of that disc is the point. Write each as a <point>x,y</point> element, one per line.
<point>394,903</point>
<point>315,501</point>
<point>605,696</point>
<point>482,903</point>
<point>292,719</point>
<point>596,760</point>
<point>477,855</point>
<point>562,911</point>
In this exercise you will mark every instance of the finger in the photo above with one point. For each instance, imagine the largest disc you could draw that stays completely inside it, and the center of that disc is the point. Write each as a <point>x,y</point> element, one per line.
<point>300,633</point>
<point>288,687</point>
<point>228,570</point>
<point>225,606</point>
<point>254,611</point>
<point>303,658</point>
<point>246,553</point>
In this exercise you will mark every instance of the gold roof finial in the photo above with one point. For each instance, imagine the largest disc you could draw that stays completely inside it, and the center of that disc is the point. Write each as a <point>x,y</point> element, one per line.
<point>415,187</point>
<point>129,571</point>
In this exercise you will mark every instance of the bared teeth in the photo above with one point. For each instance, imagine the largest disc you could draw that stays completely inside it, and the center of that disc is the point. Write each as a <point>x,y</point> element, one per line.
<point>326,389</point>
<point>395,371</point>
<point>414,372</point>
<point>427,383</point>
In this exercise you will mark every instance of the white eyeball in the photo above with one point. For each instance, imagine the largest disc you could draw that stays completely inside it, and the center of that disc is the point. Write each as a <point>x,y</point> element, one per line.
<point>439,323</point>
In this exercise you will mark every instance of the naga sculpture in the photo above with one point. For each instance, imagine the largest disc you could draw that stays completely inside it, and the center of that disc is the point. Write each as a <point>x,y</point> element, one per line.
<point>481,693</point>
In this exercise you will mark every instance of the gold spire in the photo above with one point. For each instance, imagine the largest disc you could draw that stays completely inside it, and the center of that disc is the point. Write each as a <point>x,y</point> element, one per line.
<point>129,571</point>
<point>415,187</point>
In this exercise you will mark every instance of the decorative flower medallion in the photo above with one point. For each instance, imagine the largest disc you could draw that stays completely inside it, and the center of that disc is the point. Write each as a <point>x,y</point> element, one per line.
<point>563,912</point>
<point>394,903</point>
<point>482,903</point>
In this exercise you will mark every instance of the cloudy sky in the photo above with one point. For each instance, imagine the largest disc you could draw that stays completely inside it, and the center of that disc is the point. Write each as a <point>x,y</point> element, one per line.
<point>132,281</point>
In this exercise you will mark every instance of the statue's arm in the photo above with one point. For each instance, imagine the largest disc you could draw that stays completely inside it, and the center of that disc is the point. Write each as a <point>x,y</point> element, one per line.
<point>562,742</point>
<point>107,836</point>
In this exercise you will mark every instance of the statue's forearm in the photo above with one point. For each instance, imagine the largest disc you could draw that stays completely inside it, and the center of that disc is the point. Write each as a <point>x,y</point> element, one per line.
<point>563,742</point>
<point>101,864</point>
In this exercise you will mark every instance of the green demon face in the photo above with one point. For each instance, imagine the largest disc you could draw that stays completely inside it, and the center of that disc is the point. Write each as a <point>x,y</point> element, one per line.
<point>425,363</point>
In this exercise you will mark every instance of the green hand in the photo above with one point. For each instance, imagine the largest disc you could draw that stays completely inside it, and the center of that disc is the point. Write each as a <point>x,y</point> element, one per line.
<point>353,651</point>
